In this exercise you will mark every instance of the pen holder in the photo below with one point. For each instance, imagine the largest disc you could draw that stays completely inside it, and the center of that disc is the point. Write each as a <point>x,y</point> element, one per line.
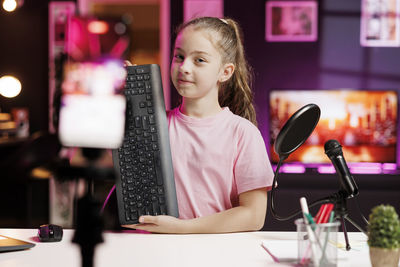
<point>320,249</point>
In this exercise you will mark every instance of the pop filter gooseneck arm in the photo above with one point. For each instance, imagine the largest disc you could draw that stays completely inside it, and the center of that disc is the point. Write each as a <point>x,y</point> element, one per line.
<point>299,212</point>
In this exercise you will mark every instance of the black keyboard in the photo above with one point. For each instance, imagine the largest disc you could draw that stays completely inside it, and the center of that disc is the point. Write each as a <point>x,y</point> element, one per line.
<point>145,182</point>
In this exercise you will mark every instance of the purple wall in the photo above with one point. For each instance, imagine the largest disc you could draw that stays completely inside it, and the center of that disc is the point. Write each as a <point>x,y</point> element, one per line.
<point>336,60</point>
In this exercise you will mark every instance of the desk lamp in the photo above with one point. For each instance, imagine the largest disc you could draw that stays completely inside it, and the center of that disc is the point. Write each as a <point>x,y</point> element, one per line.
<point>292,135</point>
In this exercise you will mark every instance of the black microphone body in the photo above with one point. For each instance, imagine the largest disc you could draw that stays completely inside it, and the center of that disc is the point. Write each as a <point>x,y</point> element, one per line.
<point>333,150</point>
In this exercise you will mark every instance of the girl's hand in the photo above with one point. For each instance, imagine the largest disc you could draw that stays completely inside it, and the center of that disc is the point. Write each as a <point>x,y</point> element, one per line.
<point>127,63</point>
<point>159,224</point>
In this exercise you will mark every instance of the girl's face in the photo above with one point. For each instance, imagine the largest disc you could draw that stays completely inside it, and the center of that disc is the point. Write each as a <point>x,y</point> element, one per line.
<point>197,67</point>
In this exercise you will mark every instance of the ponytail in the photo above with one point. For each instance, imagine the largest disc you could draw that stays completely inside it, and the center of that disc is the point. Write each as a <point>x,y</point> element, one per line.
<point>236,93</point>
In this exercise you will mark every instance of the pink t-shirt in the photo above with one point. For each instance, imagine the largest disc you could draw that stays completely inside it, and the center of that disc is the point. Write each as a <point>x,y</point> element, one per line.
<point>215,159</point>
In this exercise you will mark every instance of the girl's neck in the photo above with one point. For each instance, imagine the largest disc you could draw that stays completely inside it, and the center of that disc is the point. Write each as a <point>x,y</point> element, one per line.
<point>198,108</point>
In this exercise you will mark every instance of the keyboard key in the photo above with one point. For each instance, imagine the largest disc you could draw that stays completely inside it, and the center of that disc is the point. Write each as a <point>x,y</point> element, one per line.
<point>152,119</point>
<point>156,208</point>
<point>134,216</point>
<point>145,120</point>
<point>148,211</point>
<point>141,71</point>
<point>163,209</point>
<point>138,122</point>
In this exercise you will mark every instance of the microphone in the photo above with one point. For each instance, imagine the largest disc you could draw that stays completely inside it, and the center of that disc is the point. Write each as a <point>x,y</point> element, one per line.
<point>334,151</point>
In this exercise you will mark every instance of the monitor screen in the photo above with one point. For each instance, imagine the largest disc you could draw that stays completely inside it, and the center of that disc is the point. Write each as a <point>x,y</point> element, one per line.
<point>363,121</point>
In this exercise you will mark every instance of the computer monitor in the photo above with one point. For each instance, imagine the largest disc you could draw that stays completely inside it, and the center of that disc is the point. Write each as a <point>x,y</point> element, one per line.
<point>363,121</point>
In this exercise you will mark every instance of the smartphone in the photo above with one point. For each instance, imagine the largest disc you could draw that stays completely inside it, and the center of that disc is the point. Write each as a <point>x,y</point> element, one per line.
<point>92,112</point>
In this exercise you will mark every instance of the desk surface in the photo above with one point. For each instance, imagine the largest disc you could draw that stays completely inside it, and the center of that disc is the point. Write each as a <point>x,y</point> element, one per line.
<point>133,249</point>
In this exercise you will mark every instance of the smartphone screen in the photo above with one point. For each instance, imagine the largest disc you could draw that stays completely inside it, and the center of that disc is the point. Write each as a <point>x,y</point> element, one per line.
<point>92,112</point>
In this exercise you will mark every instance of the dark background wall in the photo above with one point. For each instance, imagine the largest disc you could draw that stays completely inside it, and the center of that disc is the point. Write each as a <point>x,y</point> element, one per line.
<point>24,54</point>
<point>335,60</point>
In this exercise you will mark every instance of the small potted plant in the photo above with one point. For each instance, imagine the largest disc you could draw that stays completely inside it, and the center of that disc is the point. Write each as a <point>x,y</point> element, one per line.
<point>384,236</point>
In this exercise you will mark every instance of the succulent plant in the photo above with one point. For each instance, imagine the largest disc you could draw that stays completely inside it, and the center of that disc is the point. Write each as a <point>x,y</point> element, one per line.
<point>384,227</point>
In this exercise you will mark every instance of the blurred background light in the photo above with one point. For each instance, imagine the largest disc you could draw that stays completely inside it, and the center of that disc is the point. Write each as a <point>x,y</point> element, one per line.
<point>9,5</point>
<point>12,5</point>
<point>98,27</point>
<point>10,86</point>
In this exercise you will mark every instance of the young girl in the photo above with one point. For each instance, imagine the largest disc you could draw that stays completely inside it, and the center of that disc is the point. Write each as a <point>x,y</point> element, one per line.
<point>221,167</point>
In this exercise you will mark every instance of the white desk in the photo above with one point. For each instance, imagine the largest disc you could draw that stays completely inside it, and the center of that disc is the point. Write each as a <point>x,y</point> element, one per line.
<point>131,249</point>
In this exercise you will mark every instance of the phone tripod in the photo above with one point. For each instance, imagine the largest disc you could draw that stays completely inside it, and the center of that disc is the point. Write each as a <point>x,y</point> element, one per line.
<point>88,219</point>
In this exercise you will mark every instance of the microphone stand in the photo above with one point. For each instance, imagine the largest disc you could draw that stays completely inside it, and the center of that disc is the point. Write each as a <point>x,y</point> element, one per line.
<point>339,200</point>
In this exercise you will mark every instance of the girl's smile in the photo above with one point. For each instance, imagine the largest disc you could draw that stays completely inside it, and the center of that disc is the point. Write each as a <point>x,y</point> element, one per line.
<point>184,81</point>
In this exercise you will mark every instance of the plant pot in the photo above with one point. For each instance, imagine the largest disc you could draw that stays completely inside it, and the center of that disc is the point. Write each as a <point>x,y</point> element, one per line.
<point>384,257</point>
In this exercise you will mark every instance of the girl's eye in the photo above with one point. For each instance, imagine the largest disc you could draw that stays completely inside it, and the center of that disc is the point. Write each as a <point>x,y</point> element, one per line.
<point>178,57</point>
<point>200,60</point>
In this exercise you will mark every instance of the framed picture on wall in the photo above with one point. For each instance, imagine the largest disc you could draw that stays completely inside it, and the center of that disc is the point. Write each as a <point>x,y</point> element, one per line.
<point>380,23</point>
<point>291,21</point>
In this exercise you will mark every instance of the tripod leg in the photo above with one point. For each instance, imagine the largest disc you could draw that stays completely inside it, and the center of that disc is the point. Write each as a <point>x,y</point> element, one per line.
<point>356,225</point>
<point>346,238</point>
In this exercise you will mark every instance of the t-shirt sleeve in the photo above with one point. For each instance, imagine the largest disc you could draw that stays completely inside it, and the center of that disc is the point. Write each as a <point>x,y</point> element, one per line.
<point>252,168</point>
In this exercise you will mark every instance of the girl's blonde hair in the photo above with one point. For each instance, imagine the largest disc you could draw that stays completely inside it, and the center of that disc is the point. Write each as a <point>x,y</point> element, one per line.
<point>236,92</point>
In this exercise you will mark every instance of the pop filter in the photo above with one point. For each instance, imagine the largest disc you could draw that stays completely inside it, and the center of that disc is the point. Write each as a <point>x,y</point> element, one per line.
<point>292,135</point>
<point>296,130</point>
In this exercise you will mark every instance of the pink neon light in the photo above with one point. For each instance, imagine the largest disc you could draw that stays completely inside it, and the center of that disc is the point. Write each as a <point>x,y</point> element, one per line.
<point>389,166</point>
<point>326,169</point>
<point>119,47</point>
<point>355,168</point>
<point>360,169</point>
<point>365,164</point>
<point>293,168</point>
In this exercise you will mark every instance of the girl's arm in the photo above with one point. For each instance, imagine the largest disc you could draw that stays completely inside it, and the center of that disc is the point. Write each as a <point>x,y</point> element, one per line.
<point>248,216</point>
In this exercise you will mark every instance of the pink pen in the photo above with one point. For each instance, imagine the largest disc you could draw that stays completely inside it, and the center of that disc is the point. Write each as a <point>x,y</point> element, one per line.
<point>269,252</point>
